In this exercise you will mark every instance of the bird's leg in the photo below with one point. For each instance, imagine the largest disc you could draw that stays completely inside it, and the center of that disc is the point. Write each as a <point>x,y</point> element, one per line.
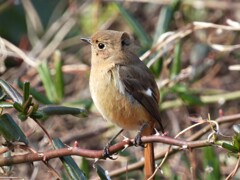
<point>137,139</point>
<point>106,153</point>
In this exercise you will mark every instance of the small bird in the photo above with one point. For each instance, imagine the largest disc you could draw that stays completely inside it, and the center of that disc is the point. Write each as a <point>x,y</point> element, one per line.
<point>122,87</point>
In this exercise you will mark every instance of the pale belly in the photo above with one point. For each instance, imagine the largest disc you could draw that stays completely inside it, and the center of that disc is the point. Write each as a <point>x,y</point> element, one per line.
<point>121,109</point>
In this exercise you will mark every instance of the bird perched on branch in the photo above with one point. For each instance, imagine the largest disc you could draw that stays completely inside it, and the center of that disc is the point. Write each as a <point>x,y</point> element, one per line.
<point>123,89</point>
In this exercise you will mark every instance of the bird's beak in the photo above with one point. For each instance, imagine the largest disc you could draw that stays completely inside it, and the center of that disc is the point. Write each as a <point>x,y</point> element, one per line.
<point>87,40</point>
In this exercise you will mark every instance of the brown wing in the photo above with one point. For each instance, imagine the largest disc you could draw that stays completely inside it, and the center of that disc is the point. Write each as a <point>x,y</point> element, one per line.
<point>139,82</point>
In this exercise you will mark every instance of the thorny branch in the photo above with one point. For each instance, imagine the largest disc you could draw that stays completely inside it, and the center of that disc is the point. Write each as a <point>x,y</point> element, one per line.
<point>96,154</point>
<point>197,135</point>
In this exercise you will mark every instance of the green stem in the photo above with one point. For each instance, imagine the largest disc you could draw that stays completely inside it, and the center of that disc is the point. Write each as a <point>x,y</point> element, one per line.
<point>219,98</point>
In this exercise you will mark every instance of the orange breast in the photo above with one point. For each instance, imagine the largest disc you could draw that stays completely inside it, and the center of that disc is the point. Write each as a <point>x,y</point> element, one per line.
<point>114,106</point>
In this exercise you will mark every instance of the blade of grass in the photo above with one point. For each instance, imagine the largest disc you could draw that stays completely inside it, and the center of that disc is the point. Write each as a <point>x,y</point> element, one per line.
<point>165,18</point>
<point>85,167</point>
<point>63,110</point>
<point>48,83</point>
<point>59,82</point>
<point>134,24</point>
<point>37,95</point>
<point>6,105</point>
<point>11,91</point>
<point>188,96</point>
<point>176,64</point>
<point>26,91</point>
<point>211,164</point>
<point>10,130</point>
<point>102,173</point>
<point>70,165</point>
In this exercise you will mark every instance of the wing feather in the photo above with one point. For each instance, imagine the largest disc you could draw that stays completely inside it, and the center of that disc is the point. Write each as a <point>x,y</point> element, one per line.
<point>138,81</point>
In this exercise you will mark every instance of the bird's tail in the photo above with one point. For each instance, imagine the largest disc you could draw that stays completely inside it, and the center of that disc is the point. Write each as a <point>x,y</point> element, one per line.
<point>149,163</point>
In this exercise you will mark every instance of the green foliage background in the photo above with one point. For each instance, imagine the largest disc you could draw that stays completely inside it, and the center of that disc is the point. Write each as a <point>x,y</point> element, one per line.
<point>49,33</point>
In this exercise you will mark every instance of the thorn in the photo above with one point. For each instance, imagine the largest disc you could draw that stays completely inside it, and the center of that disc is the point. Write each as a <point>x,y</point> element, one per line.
<point>44,158</point>
<point>125,147</point>
<point>221,112</point>
<point>70,148</point>
<point>175,147</point>
<point>40,154</point>
<point>156,132</point>
<point>114,157</point>
<point>95,161</point>
<point>67,145</point>
<point>75,145</point>
<point>125,139</point>
<point>165,133</point>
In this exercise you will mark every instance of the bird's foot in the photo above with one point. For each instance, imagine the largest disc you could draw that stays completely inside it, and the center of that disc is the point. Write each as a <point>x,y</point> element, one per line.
<point>107,154</point>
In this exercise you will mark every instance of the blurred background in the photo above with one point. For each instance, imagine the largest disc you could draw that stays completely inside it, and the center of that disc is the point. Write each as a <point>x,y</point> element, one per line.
<point>191,46</point>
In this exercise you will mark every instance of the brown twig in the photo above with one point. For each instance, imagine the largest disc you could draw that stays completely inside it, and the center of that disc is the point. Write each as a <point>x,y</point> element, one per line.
<point>197,135</point>
<point>44,130</point>
<point>45,156</point>
<point>234,170</point>
<point>167,41</point>
<point>199,4</point>
<point>4,149</point>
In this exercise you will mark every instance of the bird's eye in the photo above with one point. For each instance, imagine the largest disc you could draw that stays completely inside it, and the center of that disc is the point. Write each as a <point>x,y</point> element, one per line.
<point>101,46</point>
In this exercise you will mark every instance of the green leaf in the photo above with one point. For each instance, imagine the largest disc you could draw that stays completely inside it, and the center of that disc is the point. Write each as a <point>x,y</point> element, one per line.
<point>6,105</point>
<point>22,116</point>
<point>26,91</point>
<point>37,95</point>
<point>103,174</point>
<point>84,103</point>
<point>27,104</point>
<point>179,88</point>
<point>18,107</point>
<point>38,115</point>
<point>236,141</point>
<point>2,94</point>
<point>62,110</point>
<point>11,92</point>
<point>156,68</point>
<point>176,65</point>
<point>70,165</point>
<point>10,130</point>
<point>85,167</point>
<point>211,164</point>
<point>190,99</point>
<point>186,95</point>
<point>133,22</point>
<point>230,147</point>
<point>165,18</point>
<point>59,83</point>
<point>48,83</point>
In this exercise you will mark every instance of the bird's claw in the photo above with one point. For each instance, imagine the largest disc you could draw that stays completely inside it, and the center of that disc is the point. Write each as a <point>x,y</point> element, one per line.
<point>138,141</point>
<point>106,153</point>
